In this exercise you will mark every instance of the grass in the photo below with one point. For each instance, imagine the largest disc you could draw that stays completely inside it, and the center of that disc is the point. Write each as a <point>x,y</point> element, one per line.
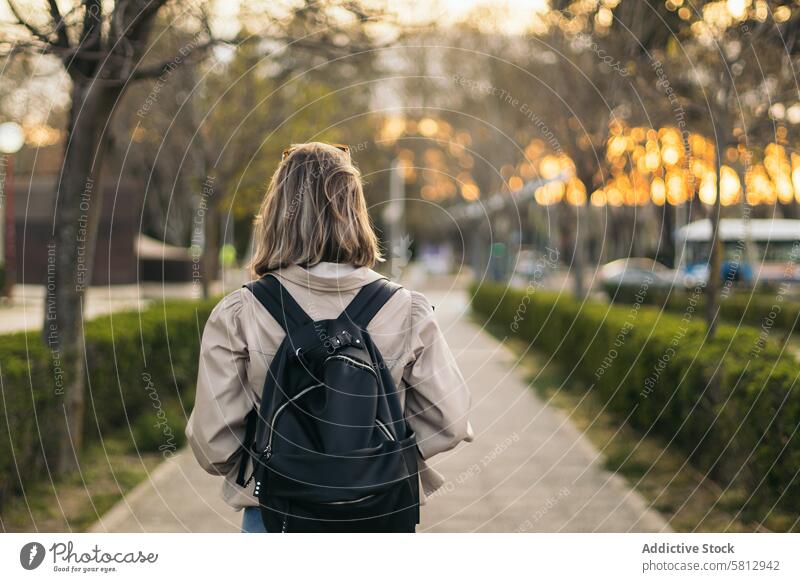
<point>74,503</point>
<point>687,500</point>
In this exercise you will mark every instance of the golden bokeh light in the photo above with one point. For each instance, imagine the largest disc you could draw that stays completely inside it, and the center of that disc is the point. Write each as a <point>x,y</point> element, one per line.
<point>644,166</point>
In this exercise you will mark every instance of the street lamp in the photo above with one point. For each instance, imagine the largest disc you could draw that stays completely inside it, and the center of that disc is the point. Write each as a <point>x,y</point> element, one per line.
<point>12,138</point>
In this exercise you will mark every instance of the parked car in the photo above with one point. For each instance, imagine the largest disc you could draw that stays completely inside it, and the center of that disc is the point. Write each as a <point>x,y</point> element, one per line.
<point>533,267</point>
<point>633,274</point>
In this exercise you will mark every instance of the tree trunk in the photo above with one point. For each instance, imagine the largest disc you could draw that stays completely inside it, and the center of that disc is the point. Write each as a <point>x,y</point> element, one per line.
<point>568,219</point>
<point>76,215</point>
<point>714,268</point>
<point>666,252</point>
<point>578,245</point>
<point>210,260</point>
<point>715,253</point>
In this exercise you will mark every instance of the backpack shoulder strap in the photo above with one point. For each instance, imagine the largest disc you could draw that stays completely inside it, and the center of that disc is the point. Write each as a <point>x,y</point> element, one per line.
<point>251,421</point>
<point>369,301</point>
<point>279,303</point>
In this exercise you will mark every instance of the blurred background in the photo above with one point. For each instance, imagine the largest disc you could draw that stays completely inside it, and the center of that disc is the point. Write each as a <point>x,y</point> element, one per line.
<point>545,160</point>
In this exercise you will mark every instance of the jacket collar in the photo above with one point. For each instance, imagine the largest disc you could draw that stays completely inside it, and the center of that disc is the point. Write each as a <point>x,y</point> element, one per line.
<point>329,276</point>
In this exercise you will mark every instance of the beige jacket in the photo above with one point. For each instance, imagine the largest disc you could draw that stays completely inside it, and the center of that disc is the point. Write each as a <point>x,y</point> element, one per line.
<point>240,339</point>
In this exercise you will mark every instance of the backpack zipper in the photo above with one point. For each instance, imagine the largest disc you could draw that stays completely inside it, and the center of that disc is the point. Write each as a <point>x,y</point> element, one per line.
<point>266,454</point>
<point>384,429</point>
<point>360,499</point>
<point>268,450</point>
<point>354,362</point>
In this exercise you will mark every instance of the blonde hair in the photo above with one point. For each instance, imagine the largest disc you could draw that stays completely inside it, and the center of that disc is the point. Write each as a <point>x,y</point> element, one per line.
<point>314,211</point>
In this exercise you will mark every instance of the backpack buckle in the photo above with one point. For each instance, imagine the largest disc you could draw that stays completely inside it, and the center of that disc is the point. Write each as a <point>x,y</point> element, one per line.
<point>338,341</point>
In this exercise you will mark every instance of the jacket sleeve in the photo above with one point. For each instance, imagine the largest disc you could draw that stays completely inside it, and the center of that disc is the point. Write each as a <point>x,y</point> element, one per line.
<point>437,398</point>
<point>215,430</point>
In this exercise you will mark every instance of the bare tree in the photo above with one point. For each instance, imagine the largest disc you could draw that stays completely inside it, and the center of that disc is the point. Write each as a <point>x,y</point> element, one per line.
<point>722,83</point>
<point>105,48</point>
<point>101,46</point>
<point>705,66</point>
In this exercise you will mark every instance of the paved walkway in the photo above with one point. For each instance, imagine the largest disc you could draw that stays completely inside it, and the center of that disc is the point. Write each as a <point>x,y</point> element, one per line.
<point>529,469</point>
<point>26,308</point>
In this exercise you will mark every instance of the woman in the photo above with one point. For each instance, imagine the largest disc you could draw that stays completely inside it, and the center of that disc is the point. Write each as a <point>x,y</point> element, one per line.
<point>313,233</point>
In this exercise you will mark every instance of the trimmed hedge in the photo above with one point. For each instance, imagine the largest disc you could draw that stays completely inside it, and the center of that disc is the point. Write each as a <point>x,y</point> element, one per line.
<point>732,404</point>
<point>142,368</point>
<point>769,310</point>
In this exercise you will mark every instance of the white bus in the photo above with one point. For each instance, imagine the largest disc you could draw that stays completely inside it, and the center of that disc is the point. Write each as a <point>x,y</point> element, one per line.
<point>755,251</point>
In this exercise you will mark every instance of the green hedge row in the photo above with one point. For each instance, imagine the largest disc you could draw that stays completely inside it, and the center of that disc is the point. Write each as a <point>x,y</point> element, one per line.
<point>732,404</point>
<point>142,371</point>
<point>774,310</point>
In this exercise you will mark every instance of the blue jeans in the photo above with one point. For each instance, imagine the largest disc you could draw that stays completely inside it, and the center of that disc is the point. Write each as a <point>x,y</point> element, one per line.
<point>251,522</point>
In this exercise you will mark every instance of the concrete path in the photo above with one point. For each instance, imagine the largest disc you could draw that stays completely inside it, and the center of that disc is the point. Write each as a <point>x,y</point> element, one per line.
<point>529,469</point>
<point>178,497</point>
<point>25,309</point>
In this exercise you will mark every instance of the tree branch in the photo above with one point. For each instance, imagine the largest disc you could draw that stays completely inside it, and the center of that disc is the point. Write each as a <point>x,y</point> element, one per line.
<point>142,19</point>
<point>645,86</point>
<point>159,69</point>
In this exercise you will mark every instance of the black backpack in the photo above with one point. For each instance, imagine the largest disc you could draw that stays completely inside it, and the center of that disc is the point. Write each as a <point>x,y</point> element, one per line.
<point>330,447</point>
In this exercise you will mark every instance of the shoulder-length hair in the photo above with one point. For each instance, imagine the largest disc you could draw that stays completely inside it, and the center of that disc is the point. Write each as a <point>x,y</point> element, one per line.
<point>314,211</point>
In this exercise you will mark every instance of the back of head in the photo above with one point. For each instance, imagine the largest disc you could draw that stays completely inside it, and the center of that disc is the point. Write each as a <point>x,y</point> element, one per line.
<point>314,211</point>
